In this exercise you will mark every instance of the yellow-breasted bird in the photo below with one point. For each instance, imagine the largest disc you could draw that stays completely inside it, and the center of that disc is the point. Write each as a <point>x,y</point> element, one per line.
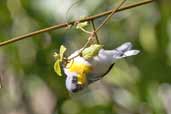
<point>93,64</point>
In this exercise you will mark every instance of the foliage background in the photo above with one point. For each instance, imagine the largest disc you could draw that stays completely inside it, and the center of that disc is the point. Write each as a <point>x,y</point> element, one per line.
<point>136,85</point>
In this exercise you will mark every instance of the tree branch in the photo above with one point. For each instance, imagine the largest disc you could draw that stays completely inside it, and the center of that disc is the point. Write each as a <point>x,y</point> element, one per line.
<point>58,26</point>
<point>111,14</point>
<point>94,29</point>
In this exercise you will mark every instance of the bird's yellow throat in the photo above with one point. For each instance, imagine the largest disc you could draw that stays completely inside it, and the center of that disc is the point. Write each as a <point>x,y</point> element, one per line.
<point>81,69</point>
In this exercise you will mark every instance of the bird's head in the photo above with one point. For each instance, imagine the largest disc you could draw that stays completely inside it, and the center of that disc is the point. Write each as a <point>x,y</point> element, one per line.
<point>76,72</point>
<point>75,82</point>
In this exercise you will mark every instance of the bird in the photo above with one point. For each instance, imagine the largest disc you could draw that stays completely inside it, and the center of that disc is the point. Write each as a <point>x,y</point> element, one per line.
<point>81,70</point>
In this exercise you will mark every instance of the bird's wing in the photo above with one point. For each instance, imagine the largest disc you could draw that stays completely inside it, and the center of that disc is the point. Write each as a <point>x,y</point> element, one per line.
<point>95,77</point>
<point>103,62</point>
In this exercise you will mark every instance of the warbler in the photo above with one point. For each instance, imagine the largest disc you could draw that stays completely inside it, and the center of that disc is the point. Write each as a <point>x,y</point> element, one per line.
<point>93,64</point>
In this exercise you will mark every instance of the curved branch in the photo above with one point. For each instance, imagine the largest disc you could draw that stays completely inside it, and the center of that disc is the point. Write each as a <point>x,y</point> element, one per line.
<point>58,26</point>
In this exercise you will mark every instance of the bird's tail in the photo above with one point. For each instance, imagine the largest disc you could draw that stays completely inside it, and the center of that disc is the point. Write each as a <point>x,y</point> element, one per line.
<point>125,50</point>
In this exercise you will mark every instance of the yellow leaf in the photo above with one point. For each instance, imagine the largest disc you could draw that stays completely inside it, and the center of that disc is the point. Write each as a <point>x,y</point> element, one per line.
<point>56,55</point>
<point>62,51</point>
<point>57,67</point>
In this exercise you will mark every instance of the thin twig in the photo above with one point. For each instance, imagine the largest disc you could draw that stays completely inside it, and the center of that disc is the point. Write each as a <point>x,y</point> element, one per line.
<point>100,26</point>
<point>109,16</point>
<point>88,32</point>
<point>81,50</point>
<point>1,80</point>
<point>94,29</point>
<point>58,26</point>
<point>92,34</point>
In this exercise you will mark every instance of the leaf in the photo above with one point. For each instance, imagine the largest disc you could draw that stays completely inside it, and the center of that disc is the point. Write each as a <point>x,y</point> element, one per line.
<point>91,51</point>
<point>56,55</point>
<point>59,59</point>
<point>62,51</point>
<point>57,67</point>
<point>81,25</point>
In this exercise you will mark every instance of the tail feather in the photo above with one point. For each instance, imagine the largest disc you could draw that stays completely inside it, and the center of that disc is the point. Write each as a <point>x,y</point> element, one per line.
<point>124,47</point>
<point>124,51</point>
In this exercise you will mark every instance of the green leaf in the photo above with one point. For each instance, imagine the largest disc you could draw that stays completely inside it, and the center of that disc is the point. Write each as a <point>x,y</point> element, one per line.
<point>62,51</point>
<point>59,59</point>
<point>81,25</point>
<point>56,55</point>
<point>57,67</point>
<point>91,51</point>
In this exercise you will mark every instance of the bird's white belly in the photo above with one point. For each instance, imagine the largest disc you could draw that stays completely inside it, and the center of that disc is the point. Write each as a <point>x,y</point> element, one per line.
<point>100,65</point>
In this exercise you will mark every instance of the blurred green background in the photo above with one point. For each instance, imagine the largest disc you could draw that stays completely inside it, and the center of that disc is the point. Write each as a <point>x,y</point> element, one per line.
<point>136,85</point>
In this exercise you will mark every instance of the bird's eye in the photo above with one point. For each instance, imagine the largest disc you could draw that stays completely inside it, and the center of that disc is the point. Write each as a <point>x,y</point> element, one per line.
<point>74,79</point>
<point>76,85</point>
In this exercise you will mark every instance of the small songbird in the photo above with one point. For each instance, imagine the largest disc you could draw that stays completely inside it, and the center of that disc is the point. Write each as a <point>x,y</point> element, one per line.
<point>93,64</point>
